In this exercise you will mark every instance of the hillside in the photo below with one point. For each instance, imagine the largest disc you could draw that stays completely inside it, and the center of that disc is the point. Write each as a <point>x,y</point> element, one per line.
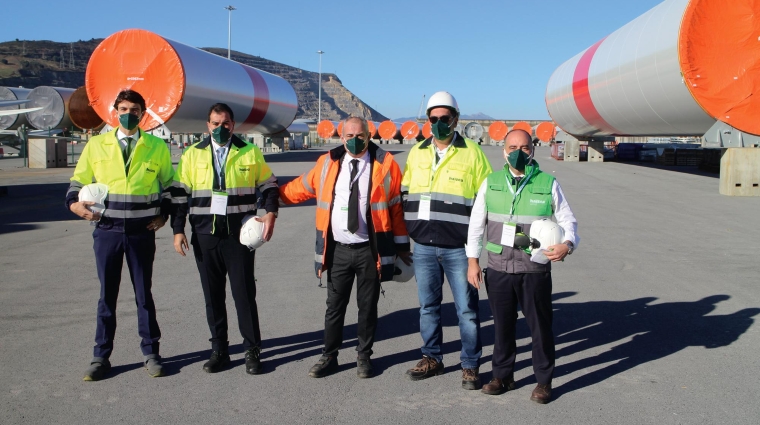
<point>48,63</point>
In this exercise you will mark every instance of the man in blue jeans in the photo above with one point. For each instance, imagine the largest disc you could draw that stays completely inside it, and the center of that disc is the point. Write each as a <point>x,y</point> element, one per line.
<point>442,177</point>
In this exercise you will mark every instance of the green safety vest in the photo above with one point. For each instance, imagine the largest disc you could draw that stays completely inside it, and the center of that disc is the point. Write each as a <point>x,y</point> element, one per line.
<point>533,202</point>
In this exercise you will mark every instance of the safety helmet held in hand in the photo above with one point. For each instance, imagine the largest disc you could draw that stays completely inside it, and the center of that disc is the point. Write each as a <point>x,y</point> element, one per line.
<point>252,233</point>
<point>97,193</point>
<point>442,99</point>
<point>402,273</point>
<point>546,233</point>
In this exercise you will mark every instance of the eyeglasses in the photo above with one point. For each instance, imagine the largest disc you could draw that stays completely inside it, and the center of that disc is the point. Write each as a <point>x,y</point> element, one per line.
<point>446,119</point>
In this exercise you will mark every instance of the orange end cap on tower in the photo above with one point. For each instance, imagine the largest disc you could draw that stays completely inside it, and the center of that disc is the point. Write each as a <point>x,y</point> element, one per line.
<point>498,130</point>
<point>545,131</point>
<point>426,131</point>
<point>410,130</point>
<point>138,60</point>
<point>372,129</point>
<point>387,130</point>
<point>522,125</point>
<point>326,129</point>
<point>720,63</point>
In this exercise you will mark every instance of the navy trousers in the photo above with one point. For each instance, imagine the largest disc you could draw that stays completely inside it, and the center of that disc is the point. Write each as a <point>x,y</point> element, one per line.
<point>110,250</point>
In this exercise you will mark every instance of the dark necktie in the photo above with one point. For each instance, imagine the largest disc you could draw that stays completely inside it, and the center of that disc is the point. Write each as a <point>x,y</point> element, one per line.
<point>518,179</point>
<point>127,151</point>
<point>353,199</point>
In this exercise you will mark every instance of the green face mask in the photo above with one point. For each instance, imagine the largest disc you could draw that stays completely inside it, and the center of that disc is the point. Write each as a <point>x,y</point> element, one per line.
<point>355,145</point>
<point>440,130</point>
<point>221,135</point>
<point>518,159</point>
<point>129,121</point>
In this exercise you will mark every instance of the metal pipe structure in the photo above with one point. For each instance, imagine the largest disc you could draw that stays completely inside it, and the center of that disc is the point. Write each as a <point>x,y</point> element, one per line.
<point>55,107</point>
<point>544,132</point>
<point>180,83</point>
<point>410,130</point>
<point>389,130</point>
<point>327,129</point>
<point>82,114</point>
<point>673,71</point>
<point>12,122</point>
<point>473,131</point>
<point>498,130</point>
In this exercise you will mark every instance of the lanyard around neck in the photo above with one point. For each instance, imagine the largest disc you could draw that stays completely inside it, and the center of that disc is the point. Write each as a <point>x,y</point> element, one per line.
<point>515,194</point>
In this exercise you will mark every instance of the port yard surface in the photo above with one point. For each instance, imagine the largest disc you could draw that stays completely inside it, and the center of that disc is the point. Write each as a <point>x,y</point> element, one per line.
<point>655,317</point>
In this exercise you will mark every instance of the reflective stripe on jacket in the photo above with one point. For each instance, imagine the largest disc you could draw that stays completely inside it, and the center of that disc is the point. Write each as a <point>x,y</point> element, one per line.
<point>452,189</point>
<point>135,199</point>
<point>388,233</point>
<point>245,172</point>
<point>533,203</point>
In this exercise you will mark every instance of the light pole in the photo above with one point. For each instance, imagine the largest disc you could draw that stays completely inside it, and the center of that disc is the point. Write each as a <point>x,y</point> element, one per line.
<point>319,105</point>
<point>230,8</point>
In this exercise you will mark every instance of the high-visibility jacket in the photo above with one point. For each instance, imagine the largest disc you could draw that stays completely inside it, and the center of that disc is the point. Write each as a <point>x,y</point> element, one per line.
<point>534,202</point>
<point>387,233</point>
<point>135,199</point>
<point>245,171</point>
<point>451,189</point>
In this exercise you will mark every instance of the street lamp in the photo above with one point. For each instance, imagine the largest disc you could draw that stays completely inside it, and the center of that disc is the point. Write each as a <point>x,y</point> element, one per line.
<point>230,8</point>
<point>319,105</point>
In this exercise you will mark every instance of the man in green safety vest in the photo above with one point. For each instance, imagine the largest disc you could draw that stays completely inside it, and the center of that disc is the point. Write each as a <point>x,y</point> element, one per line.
<point>508,202</point>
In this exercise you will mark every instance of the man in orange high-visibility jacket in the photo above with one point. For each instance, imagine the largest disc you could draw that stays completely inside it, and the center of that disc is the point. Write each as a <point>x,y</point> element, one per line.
<point>360,231</point>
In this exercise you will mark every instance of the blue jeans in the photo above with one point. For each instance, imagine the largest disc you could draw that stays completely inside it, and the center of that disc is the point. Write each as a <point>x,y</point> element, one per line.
<point>430,264</point>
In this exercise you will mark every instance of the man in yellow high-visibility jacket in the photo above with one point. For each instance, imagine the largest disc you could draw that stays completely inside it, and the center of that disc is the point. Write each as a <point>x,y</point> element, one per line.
<point>135,166</point>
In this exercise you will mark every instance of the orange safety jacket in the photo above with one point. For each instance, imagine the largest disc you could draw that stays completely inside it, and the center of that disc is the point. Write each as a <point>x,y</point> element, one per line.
<point>387,231</point>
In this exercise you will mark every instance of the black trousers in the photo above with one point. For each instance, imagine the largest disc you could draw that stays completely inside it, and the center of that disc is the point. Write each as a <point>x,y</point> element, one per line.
<point>216,258</point>
<point>110,250</point>
<point>345,265</point>
<point>533,291</point>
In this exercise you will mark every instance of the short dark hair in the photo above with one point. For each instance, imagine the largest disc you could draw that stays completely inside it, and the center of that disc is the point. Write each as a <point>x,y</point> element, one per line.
<point>219,108</point>
<point>129,96</point>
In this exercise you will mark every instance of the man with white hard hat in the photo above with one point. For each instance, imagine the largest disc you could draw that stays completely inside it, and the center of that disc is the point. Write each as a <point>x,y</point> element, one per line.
<point>133,166</point>
<point>216,183</point>
<point>441,178</point>
<point>512,208</point>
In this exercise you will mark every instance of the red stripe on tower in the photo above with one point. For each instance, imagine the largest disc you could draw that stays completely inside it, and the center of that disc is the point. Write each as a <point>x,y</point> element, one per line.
<point>582,95</point>
<point>260,100</point>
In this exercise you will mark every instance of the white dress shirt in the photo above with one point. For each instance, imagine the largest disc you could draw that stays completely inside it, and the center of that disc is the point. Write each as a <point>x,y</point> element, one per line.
<point>220,164</point>
<point>120,137</point>
<point>339,217</point>
<point>563,215</point>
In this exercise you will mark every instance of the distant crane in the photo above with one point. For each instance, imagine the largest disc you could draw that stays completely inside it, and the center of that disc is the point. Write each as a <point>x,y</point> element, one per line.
<point>71,56</point>
<point>419,111</point>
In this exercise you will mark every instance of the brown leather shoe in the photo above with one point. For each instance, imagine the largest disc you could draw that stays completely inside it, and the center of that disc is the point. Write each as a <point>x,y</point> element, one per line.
<point>498,386</point>
<point>542,394</point>
<point>470,379</point>
<point>425,368</point>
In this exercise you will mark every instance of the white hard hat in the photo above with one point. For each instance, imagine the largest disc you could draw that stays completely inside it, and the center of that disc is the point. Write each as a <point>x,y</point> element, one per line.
<point>546,233</point>
<point>252,232</point>
<point>442,99</point>
<point>402,273</point>
<point>97,193</point>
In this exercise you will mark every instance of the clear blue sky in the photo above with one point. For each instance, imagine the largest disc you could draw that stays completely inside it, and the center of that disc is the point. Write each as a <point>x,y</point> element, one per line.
<point>495,57</point>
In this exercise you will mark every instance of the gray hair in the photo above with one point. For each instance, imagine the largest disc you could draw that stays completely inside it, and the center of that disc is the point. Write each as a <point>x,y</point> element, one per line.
<point>365,125</point>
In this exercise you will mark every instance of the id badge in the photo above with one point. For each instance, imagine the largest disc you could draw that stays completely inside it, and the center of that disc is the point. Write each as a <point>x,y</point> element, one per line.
<point>344,219</point>
<point>508,232</point>
<point>424,211</point>
<point>219,203</point>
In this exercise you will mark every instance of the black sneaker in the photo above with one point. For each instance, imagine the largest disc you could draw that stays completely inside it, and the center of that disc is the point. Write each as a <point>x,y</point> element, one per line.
<point>425,368</point>
<point>364,368</point>
<point>99,368</point>
<point>325,366</point>
<point>217,362</point>
<point>253,361</point>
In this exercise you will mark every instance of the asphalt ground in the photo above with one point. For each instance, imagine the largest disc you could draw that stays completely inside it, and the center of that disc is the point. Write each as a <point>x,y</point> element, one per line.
<point>654,317</point>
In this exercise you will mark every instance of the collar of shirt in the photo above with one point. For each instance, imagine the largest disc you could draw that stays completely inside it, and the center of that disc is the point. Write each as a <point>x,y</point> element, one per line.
<point>362,159</point>
<point>216,146</point>
<point>120,136</point>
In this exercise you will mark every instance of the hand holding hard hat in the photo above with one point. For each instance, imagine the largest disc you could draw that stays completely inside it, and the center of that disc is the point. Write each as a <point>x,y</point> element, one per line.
<point>252,232</point>
<point>547,237</point>
<point>91,205</point>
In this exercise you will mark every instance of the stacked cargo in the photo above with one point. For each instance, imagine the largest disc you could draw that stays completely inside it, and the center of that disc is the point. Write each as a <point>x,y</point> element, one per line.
<point>687,157</point>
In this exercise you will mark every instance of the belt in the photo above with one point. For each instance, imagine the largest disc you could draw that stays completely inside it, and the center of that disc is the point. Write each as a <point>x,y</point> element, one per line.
<point>353,245</point>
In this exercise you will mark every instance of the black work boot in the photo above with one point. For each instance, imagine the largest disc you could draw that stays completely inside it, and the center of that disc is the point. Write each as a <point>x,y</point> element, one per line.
<point>217,362</point>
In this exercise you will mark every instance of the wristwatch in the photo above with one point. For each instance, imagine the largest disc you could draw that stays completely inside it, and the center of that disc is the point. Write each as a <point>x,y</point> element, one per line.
<point>570,246</point>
